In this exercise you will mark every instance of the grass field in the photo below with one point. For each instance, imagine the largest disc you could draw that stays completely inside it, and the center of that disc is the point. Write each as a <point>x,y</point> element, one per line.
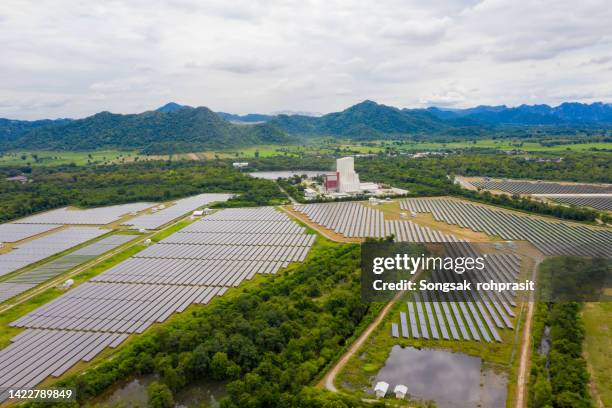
<point>312,147</point>
<point>506,144</point>
<point>48,158</point>
<point>598,349</point>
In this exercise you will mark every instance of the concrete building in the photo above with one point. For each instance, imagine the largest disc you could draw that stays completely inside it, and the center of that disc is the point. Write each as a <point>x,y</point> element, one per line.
<point>348,180</point>
<point>240,165</point>
<point>381,389</point>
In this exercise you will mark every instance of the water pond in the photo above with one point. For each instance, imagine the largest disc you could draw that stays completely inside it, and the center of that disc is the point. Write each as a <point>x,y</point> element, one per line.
<point>452,380</point>
<point>134,394</point>
<point>273,175</point>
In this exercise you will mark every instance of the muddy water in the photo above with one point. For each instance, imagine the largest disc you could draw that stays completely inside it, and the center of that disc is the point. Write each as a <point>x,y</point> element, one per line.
<point>134,394</point>
<point>452,380</point>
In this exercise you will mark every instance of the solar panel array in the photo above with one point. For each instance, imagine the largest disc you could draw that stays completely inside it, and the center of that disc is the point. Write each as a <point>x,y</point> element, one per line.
<point>29,279</point>
<point>91,216</point>
<point>550,237</point>
<point>354,220</point>
<point>598,202</point>
<point>45,246</point>
<point>530,187</point>
<point>17,232</point>
<point>463,315</point>
<point>152,285</point>
<point>180,207</point>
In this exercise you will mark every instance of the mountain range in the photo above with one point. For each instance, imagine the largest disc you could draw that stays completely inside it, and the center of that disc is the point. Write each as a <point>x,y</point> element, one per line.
<point>179,128</point>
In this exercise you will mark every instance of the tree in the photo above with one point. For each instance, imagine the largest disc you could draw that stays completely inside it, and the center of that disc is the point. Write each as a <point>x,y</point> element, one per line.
<point>160,395</point>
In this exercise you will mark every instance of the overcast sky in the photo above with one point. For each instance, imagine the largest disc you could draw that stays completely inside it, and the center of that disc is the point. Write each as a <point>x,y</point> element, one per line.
<point>75,58</point>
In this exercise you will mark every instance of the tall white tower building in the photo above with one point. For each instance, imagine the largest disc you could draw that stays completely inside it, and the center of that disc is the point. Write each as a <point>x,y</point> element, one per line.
<point>348,180</point>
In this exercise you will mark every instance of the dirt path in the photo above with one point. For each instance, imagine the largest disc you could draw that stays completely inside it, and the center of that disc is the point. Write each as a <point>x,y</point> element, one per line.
<point>525,359</point>
<point>328,380</point>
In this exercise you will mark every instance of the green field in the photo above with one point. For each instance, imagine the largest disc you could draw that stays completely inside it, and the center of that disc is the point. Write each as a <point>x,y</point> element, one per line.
<point>47,158</point>
<point>312,147</point>
<point>598,349</point>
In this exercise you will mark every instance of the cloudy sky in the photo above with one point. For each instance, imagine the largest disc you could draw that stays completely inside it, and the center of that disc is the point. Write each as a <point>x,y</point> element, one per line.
<point>63,58</point>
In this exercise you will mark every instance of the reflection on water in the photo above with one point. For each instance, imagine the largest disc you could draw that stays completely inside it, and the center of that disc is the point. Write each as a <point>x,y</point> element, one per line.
<point>273,175</point>
<point>452,380</point>
<point>134,394</point>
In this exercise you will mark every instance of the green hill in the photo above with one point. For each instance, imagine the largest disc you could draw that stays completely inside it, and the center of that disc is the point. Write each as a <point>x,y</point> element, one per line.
<point>363,121</point>
<point>178,130</point>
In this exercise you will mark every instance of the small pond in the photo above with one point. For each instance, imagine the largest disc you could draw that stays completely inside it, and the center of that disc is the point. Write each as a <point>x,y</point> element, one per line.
<point>452,380</point>
<point>273,175</point>
<point>134,394</point>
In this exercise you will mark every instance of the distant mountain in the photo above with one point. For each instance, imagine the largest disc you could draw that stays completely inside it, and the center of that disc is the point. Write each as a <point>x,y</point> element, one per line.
<point>300,113</point>
<point>171,107</point>
<point>248,118</point>
<point>10,129</point>
<point>179,130</point>
<point>569,113</point>
<point>365,120</point>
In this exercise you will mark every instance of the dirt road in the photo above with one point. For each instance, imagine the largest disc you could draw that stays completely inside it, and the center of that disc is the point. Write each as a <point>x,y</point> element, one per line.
<point>328,380</point>
<point>524,364</point>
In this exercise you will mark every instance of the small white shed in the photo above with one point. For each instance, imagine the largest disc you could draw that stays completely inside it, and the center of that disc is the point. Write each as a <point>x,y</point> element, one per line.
<point>381,389</point>
<point>198,213</point>
<point>400,391</point>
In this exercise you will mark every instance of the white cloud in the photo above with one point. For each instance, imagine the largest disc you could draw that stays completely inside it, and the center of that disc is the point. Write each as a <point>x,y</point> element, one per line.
<point>67,58</point>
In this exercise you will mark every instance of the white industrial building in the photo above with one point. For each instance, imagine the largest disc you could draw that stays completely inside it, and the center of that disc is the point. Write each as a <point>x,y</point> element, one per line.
<point>348,180</point>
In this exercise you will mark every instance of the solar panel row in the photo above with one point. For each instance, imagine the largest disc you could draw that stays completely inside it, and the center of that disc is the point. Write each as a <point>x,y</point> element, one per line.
<point>529,187</point>
<point>355,220</point>
<point>30,279</point>
<point>600,202</point>
<point>45,246</point>
<point>550,237</point>
<point>90,216</point>
<point>180,207</point>
<point>467,315</point>
<point>17,232</point>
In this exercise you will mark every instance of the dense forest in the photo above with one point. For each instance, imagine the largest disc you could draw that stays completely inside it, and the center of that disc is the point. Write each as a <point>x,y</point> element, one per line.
<point>559,376</point>
<point>91,186</point>
<point>269,344</point>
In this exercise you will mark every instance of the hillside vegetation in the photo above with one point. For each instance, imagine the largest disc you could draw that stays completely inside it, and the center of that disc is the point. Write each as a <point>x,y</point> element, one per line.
<point>152,132</point>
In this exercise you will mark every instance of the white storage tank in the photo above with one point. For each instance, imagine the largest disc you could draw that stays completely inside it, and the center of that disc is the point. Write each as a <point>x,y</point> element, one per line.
<point>381,389</point>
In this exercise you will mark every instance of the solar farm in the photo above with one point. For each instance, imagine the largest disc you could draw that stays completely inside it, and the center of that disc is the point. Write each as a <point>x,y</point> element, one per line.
<point>180,207</point>
<point>355,220</point>
<point>539,187</point>
<point>462,315</point>
<point>17,232</point>
<point>31,278</point>
<point>47,245</point>
<point>92,216</point>
<point>598,202</point>
<point>550,237</point>
<point>191,266</point>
